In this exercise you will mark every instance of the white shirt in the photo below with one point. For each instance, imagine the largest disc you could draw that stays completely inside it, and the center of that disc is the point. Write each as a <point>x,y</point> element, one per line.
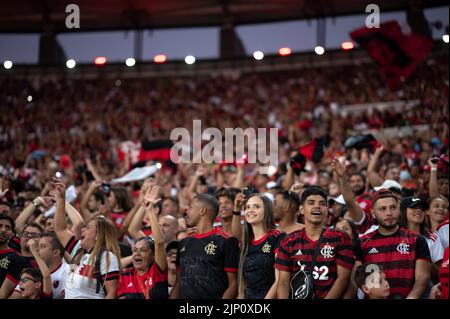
<point>442,232</point>
<point>78,285</point>
<point>435,246</point>
<point>58,277</point>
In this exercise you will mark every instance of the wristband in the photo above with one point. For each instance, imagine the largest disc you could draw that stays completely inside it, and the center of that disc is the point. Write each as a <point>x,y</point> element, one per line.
<point>434,169</point>
<point>237,213</point>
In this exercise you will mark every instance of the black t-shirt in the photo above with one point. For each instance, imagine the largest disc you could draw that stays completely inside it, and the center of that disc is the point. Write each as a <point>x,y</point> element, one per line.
<point>258,270</point>
<point>11,265</point>
<point>203,262</point>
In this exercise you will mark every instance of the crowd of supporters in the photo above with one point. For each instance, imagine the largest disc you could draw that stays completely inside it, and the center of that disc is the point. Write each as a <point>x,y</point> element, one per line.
<point>357,223</point>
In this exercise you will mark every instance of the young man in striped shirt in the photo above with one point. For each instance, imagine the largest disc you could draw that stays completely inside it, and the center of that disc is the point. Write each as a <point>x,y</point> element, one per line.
<point>404,255</point>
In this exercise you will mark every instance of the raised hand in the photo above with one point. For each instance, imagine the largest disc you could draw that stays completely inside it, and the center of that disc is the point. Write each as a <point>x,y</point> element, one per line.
<point>338,167</point>
<point>152,196</point>
<point>59,190</point>
<point>45,201</point>
<point>32,244</point>
<point>239,201</point>
<point>201,171</point>
<point>431,162</point>
<point>297,188</point>
<point>3,192</point>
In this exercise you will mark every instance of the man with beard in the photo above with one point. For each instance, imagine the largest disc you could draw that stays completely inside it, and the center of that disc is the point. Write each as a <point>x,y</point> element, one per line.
<point>334,257</point>
<point>11,264</point>
<point>225,197</point>
<point>207,261</point>
<point>285,209</point>
<point>404,255</point>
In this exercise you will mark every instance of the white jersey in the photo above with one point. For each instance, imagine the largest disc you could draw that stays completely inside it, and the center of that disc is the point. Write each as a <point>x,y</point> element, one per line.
<point>78,284</point>
<point>58,277</point>
<point>435,246</point>
<point>442,232</point>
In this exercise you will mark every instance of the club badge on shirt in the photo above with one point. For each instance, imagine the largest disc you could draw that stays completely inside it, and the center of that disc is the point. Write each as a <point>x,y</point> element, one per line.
<point>327,251</point>
<point>211,248</point>
<point>266,248</point>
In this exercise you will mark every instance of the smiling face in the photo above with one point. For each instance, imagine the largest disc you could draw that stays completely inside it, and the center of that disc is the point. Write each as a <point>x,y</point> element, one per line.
<point>88,235</point>
<point>415,214</point>
<point>225,207</point>
<point>438,210</point>
<point>254,211</point>
<point>314,210</point>
<point>142,256</point>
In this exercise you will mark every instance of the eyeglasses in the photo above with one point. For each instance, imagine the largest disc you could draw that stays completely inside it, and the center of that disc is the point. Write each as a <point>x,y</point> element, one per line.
<point>26,279</point>
<point>26,234</point>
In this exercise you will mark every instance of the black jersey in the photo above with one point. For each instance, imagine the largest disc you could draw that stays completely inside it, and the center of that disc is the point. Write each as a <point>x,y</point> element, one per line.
<point>11,265</point>
<point>258,266</point>
<point>203,262</point>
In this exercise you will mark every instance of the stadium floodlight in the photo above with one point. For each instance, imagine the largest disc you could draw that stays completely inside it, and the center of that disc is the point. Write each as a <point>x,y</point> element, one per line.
<point>29,98</point>
<point>7,64</point>
<point>258,55</point>
<point>445,38</point>
<point>347,45</point>
<point>284,51</point>
<point>100,60</point>
<point>70,64</point>
<point>319,50</point>
<point>190,59</point>
<point>160,58</point>
<point>130,62</point>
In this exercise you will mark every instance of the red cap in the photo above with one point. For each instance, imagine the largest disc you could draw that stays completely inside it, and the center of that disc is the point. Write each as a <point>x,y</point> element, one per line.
<point>383,193</point>
<point>65,161</point>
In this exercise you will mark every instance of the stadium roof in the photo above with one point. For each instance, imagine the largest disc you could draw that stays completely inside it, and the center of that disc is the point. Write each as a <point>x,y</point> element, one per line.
<point>25,16</point>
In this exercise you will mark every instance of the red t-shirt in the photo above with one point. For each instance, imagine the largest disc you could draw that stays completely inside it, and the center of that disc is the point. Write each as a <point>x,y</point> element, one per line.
<point>443,275</point>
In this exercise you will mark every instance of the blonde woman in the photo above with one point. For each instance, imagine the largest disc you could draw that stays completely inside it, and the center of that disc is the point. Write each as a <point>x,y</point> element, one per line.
<point>259,246</point>
<point>94,272</point>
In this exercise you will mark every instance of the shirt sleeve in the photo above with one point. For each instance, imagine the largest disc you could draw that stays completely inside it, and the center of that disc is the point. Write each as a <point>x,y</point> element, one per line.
<point>120,286</point>
<point>422,250</point>
<point>231,255</point>
<point>278,241</point>
<point>357,251</point>
<point>72,246</point>
<point>283,260</point>
<point>344,252</point>
<point>15,269</point>
<point>111,272</point>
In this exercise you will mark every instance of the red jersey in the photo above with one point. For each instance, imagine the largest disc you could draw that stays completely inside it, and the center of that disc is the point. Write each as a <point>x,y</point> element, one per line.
<point>151,285</point>
<point>443,275</point>
<point>296,251</point>
<point>397,253</point>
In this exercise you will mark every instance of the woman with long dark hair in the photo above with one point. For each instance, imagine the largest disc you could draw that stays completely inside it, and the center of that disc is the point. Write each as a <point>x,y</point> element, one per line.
<point>260,241</point>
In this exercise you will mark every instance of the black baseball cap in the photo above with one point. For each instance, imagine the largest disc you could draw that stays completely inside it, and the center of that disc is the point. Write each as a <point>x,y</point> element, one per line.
<point>411,201</point>
<point>172,245</point>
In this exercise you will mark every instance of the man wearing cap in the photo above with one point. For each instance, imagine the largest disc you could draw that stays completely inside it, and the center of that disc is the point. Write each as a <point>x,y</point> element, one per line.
<point>404,254</point>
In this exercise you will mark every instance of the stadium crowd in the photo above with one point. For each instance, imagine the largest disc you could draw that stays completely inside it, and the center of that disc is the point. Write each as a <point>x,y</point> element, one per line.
<point>359,222</point>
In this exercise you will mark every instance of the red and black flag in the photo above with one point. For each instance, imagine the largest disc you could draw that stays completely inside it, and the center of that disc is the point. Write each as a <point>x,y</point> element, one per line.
<point>158,150</point>
<point>361,141</point>
<point>312,151</point>
<point>397,54</point>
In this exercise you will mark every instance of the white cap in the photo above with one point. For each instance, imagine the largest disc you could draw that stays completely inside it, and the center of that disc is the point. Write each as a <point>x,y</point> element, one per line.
<point>339,199</point>
<point>271,184</point>
<point>388,184</point>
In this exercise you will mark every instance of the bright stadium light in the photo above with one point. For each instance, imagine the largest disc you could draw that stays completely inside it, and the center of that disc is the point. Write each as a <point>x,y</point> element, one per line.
<point>7,64</point>
<point>29,98</point>
<point>258,55</point>
<point>100,60</point>
<point>160,58</point>
<point>158,165</point>
<point>347,45</point>
<point>445,38</point>
<point>130,62</point>
<point>319,50</point>
<point>190,59</point>
<point>284,51</point>
<point>70,64</point>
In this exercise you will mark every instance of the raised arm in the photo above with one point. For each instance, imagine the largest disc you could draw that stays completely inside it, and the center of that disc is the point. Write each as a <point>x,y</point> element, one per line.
<point>374,178</point>
<point>76,219</point>
<point>59,194</point>
<point>25,215</point>
<point>355,211</point>
<point>84,201</point>
<point>47,280</point>
<point>433,184</point>
<point>239,182</point>
<point>236,229</point>
<point>150,199</point>
<point>289,179</point>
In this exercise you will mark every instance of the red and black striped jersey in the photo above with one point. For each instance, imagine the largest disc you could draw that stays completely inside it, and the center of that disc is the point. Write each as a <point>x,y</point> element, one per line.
<point>296,251</point>
<point>14,243</point>
<point>443,275</point>
<point>397,254</point>
<point>203,261</point>
<point>11,265</point>
<point>154,282</point>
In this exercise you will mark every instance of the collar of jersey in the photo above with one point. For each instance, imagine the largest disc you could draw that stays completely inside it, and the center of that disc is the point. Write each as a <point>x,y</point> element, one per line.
<point>215,230</point>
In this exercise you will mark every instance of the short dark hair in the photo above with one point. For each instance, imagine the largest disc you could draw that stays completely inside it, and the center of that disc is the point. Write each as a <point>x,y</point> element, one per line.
<point>99,197</point>
<point>313,190</point>
<point>35,273</point>
<point>229,192</point>
<point>209,201</point>
<point>11,221</point>
<point>291,197</point>
<point>35,225</point>
<point>54,241</point>
<point>173,200</point>
<point>360,175</point>
<point>361,273</point>
<point>150,242</point>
